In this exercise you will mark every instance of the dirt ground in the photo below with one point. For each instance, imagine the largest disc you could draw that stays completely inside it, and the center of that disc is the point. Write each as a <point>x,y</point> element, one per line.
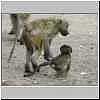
<point>84,66</point>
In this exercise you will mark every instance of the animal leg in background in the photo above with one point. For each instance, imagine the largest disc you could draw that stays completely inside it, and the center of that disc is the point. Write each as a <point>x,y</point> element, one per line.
<point>14,21</point>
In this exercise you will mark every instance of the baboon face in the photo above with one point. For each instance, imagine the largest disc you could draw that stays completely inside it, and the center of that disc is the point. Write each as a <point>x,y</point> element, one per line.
<point>63,27</point>
<point>65,49</point>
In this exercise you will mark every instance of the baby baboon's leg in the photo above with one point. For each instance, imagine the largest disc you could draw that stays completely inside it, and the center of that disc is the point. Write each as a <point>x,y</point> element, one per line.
<point>47,53</point>
<point>14,21</point>
<point>62,72</point>
<point>65,73</point>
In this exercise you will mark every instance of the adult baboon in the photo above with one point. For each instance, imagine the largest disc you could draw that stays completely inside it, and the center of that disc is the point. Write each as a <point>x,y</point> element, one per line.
<point>38,35</point>
<point>61,63</point>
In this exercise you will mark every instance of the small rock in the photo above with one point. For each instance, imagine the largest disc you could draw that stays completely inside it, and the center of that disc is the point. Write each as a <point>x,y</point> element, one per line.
<point>35,82</point>
<point>83,73</point>
<point>64,80</point>
<point>81,46</point>
<point>90,33</point>
<point>91,48</point>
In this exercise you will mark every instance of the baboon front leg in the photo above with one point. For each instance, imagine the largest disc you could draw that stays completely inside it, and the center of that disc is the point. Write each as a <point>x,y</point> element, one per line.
<point>28,60</point>
<point>47,53</point>
<point>28,66</point>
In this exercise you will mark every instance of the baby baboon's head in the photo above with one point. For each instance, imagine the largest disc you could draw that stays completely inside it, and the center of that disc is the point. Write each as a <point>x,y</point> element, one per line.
<point>66,49</point>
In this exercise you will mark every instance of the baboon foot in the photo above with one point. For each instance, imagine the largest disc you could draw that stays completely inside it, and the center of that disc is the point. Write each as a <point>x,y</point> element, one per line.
<point>27,69</point>
<point>46,57</point>
<point>28,74</point>
<point>10,33</point>
<point>38,69</point>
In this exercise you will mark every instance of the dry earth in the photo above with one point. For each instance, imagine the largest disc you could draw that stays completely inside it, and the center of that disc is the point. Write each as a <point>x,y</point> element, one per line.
<point>84,67</point>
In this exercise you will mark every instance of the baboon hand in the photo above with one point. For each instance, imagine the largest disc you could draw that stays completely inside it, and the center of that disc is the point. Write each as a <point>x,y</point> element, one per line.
<point>43,64</point>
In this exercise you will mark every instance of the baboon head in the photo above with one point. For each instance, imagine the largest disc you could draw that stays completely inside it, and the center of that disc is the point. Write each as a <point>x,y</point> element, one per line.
<point>63,27</point>
<point>66,49</point>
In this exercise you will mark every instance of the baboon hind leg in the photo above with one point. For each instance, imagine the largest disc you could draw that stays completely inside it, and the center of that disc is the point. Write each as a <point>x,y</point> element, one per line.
<point>28,60</point>
<point>34,60</point>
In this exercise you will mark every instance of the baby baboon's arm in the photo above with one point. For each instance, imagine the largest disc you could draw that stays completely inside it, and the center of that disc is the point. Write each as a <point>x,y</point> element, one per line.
<point>43,64</point>
<point>50,62</point>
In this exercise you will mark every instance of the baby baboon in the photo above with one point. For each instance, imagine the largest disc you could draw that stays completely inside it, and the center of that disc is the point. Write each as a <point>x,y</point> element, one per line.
<point>61,63</point>
<point>38,35</point>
